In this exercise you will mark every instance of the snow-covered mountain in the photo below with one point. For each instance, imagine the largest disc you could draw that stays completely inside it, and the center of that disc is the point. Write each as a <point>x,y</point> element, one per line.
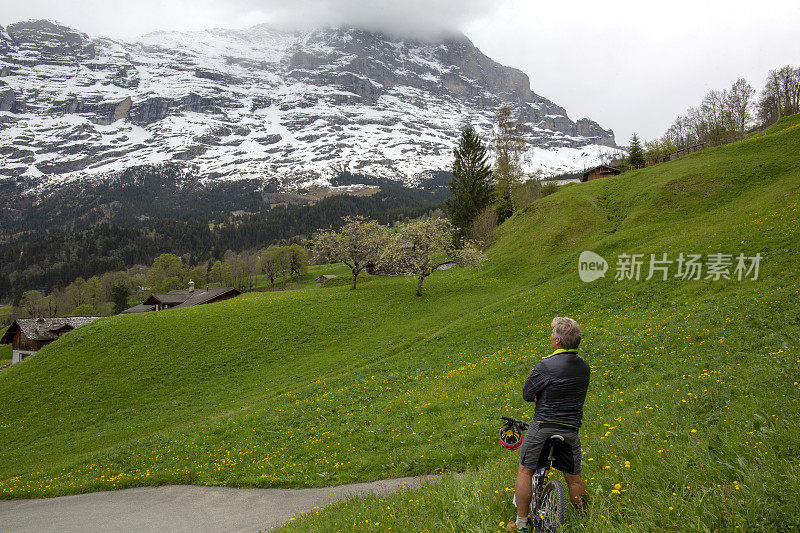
<point>262,103</point>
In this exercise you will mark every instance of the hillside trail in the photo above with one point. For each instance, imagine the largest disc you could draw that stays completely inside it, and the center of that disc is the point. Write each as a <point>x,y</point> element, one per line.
<point>181,508</point>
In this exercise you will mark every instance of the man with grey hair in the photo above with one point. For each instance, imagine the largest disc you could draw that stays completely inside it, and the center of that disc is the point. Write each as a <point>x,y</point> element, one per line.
<point>558,385</point>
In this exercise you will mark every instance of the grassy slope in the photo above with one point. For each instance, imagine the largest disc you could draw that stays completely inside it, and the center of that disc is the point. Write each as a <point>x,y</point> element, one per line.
<point>5,349</point>
<point>695,384</point>
<point>324,386</point>
<point>783,124</point>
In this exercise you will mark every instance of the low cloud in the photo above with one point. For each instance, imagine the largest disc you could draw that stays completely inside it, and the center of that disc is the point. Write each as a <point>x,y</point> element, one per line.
<point>416,18</point>
<point>116,18</point>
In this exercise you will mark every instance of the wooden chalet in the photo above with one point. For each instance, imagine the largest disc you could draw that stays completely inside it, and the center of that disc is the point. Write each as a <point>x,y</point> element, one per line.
<point>602,171</point>
<point>184,298</point>
<point>28,335</point>
<point>324,279</point>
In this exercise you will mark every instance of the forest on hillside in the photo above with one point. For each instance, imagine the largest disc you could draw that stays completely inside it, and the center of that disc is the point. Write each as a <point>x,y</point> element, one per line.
<point>145,212</point>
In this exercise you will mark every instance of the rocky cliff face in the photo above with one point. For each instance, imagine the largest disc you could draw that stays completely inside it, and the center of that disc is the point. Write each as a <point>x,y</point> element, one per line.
<point>263,103</point>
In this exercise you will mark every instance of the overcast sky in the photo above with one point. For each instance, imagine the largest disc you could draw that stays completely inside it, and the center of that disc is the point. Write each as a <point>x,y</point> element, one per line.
<point>632,66</point>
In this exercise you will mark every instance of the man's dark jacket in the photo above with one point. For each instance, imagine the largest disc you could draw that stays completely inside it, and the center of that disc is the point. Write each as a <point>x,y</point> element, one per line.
<point>560,380</point>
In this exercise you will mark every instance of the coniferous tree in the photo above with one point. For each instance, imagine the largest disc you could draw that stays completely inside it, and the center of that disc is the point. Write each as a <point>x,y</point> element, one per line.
<point>471,183</point>
<point>636,156</point>
<point>119,297</point>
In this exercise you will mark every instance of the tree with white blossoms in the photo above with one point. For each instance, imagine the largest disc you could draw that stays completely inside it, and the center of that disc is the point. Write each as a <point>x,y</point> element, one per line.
<point>423,246</point>
<point>358,243</point>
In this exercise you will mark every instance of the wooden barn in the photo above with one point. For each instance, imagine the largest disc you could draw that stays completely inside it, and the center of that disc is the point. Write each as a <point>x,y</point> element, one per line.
<point>602,171</point>
<point>184,298</point>
<point>28,335</point>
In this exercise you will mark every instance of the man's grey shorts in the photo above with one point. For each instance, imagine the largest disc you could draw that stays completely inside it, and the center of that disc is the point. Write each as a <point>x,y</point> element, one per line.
<point>566,456</point>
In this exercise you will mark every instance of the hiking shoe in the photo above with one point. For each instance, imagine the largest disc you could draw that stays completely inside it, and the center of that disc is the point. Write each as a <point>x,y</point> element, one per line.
<point>512,526</point>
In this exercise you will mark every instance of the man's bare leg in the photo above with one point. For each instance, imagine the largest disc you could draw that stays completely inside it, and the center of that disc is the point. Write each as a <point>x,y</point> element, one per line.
<point>523,491</point>
<point>577,491</point>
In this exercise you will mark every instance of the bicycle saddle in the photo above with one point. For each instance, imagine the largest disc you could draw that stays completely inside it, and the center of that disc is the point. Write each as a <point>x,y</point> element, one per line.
<point>559,438</point>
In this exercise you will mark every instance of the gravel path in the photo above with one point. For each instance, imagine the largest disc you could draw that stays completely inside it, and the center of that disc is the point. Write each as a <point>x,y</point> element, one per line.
<point>180,507</point>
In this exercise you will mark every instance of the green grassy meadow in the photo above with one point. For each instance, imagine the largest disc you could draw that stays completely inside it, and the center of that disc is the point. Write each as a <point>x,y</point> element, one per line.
<point>693,406</point>
<point>783,124</point>
<point>5,349</point>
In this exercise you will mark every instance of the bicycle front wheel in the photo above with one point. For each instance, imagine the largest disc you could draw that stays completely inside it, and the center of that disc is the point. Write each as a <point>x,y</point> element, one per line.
<point>553,507</point>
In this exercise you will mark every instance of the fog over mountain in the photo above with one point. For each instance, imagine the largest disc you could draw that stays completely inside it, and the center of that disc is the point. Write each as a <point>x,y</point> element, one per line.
<point>633,66</point>
<point>126,20</point>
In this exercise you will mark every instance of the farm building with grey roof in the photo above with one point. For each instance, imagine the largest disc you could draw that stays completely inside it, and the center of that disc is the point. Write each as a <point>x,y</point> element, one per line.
<point>28,335</point>
<point>183,298</point>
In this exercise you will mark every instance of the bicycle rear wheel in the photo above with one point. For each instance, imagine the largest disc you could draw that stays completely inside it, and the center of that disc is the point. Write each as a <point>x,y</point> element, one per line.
<point>553,506</point>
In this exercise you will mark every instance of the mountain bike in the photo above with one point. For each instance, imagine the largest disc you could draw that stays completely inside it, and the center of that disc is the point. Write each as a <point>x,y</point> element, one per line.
<point>548,509</point>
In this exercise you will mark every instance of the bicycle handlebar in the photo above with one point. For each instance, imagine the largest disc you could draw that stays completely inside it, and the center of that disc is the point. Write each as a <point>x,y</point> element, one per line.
<point>522,425</point>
